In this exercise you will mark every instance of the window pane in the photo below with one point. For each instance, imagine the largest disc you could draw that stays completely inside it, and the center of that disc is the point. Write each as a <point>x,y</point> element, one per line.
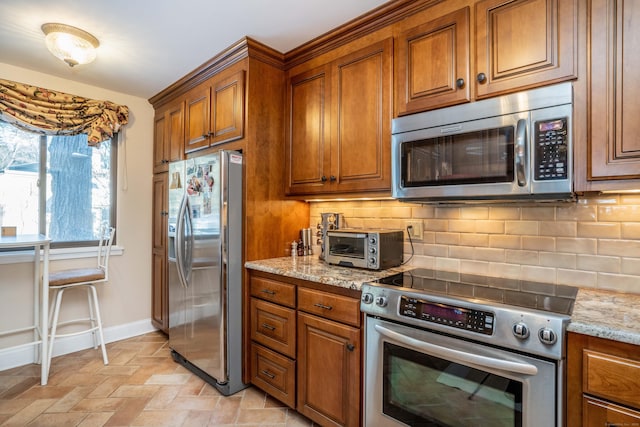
<point>19,170</point>
<point>78,188</point>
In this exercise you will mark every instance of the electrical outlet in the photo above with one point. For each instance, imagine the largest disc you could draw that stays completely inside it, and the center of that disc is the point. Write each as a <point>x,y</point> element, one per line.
<point>416,229</point>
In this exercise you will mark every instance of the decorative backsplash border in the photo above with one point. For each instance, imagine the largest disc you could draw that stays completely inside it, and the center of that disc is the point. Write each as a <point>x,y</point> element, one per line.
<point>593,243</point>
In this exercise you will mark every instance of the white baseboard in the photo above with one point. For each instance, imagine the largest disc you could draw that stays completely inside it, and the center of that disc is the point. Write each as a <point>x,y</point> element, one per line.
<point>25,355</point>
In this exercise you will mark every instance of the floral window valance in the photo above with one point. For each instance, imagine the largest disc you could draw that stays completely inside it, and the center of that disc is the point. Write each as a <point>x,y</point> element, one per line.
<point>56,113</point>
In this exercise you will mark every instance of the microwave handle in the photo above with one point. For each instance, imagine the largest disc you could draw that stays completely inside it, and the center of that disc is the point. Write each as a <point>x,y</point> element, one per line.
<point>521,150</point>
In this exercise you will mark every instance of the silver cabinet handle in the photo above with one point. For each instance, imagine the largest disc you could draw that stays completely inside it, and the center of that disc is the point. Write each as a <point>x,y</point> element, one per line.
<point>269,327</point>
<point>521,150</point>
<point>267,373</point>
<point>322,306</point>
<point>268,292</point>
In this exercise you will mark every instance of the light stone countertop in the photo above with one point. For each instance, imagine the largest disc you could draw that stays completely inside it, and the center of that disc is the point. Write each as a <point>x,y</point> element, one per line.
<point>604,314</point>
<point>607,314</point>
<point>313,269</point>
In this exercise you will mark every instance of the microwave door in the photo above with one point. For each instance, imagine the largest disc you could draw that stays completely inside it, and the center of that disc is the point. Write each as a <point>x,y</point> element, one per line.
<point>486,158</point>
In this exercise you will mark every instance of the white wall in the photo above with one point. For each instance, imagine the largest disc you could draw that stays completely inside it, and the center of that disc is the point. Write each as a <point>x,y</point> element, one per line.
<point>126,300</point>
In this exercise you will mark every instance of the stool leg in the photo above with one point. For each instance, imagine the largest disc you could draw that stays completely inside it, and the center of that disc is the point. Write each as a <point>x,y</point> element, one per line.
<point>54,326</point>
<point>92,319</point>
<point>99,321</point>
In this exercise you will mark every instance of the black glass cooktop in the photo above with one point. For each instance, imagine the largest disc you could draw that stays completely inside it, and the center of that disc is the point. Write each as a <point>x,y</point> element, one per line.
<point>520,293</point>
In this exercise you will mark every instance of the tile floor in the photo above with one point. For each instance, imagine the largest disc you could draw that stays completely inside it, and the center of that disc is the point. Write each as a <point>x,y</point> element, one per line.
<point>141,386</point>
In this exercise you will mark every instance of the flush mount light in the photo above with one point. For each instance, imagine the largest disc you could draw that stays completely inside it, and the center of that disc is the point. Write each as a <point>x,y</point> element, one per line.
<point>73,45</point>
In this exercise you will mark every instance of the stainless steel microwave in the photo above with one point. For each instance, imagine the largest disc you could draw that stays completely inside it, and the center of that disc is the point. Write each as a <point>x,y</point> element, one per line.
<point>371,249</point>
<point>517,146</point>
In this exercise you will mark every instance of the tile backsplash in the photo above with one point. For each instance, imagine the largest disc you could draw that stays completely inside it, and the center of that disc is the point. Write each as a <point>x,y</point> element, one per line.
<point>594,242</point>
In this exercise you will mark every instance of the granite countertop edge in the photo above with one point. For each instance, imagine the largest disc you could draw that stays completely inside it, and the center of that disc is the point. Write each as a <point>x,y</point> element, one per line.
<point>599,313</point>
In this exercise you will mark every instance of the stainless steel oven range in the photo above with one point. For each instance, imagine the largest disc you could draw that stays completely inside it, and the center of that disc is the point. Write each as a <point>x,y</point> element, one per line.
<point>448,349</point>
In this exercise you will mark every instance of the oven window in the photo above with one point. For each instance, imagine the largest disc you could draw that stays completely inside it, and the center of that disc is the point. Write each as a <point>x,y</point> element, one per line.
<point>422,390</point>
<point>468,158</point>
<point>352,247</point>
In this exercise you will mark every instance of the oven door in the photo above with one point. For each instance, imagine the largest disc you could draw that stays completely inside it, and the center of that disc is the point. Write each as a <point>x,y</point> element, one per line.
<point>414,377</point>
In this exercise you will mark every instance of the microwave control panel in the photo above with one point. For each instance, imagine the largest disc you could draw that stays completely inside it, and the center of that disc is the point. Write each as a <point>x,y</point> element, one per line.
<point>551,149</point>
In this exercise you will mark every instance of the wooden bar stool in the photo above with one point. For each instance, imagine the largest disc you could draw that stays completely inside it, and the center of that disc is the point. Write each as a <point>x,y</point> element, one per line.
<point>86,278</point>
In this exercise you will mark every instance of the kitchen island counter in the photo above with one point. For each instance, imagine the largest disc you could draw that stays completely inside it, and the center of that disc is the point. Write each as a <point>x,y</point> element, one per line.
<point>607,314</point>
<point>315,270</point>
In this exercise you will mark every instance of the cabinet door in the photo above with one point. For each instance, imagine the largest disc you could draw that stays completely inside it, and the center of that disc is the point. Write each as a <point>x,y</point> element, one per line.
<point>197,113</point>
<point>160,159</point>
<point>524,43</point>
<point>307,135</point>
<point>613,107</point>
<point>361,120</point>
<point>227,115</point>
<point>328,371</point>
<point>175,132</point>
<point>159,303</point>
<point>598,413</point>
<point>433,64</point>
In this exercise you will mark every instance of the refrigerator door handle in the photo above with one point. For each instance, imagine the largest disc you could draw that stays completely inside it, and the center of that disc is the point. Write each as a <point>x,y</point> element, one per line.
<point>189,245</point>
<point>179,241</point>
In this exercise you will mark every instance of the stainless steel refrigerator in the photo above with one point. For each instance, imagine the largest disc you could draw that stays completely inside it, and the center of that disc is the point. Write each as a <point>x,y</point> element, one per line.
<point>205,267</point>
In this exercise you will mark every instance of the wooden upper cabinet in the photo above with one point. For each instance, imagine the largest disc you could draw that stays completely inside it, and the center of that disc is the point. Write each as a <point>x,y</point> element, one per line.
<point>215,112</point>
<point>339,117</point>
<point>168,136</point>
<point>523,44</point>
<point>613,93</point>
<point>433,64</point>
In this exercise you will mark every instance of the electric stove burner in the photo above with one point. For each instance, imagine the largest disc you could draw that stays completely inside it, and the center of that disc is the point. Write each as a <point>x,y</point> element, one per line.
<point>521,293</point>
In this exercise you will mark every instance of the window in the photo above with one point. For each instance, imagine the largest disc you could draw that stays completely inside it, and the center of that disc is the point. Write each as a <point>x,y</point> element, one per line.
<point>56,185</point>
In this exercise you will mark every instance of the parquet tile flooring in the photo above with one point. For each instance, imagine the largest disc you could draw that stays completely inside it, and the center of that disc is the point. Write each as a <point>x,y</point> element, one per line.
<point>141,386</point>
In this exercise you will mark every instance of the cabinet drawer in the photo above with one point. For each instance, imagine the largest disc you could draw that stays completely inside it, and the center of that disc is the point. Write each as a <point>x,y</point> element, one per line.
<point>278,292</point>
<point>331,306</point>
<point>273,326</point>
<point>273,373</point>
<point>612,377</point>
<point>598,413</point>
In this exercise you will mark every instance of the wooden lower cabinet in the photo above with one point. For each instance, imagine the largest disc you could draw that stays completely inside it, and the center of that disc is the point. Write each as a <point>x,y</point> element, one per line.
<point>274,374</point>
<point>328,371</point>
<point>603,382</point>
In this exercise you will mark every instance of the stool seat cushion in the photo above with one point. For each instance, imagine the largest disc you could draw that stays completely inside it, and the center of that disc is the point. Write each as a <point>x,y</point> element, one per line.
<point>75,275</point>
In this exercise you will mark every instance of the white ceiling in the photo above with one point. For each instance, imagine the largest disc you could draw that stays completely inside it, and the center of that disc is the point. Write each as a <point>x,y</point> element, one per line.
<point>146,45</point>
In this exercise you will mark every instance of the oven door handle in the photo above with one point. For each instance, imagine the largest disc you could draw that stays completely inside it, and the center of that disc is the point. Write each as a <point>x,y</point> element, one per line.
<point>459,356</point>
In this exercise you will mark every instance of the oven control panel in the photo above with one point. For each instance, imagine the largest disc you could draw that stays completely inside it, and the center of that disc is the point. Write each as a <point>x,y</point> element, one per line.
<point>450,315</point>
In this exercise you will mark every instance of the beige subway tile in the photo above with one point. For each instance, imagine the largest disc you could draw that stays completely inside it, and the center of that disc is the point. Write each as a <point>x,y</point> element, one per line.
<point>462,225</point>
<point>630,230</point>
<point>576,212</point>
<point>577,245</point>
<point>508,271</point>
<point>353,222</point>
<point>619,282</point>
<point>422,211</point>
<point>605,264</point>
<point>504,212</point>
<point>428,237</point>
<point>474,239</point>
<point>394,212</point>
<point>603,199</point>
<point>583,279</point>
<point>505,242</point>
<point>539,274</point>
<point>521,228</point>
<point>418,248</point>
<point>447,264</point>
<point>448,238</point>
<point>547,213</point>
<point>474,267</point>
<point>474,212</point>
<point>539,243</point>
<point>490,226</point>
<point>558,260</point>
<point>489,254</point>
<point>558,228</point>
<point>521,257</point>
<point>447,213</point>
<point>435,250</point>
<point>630,199</point>
<point>423,262</point>
<point>462,252</point>
<point>622,213</point>
<point>630,266</point>
<point>599,230</point>
<point>436,225</point>
<point>629,248</point>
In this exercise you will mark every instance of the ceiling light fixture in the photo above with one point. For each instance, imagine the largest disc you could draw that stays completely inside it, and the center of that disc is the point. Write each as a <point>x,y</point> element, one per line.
<point>72,45</point>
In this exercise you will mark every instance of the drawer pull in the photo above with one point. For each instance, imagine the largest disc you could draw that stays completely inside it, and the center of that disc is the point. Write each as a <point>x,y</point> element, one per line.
<point>268,292</point>
<point>324,307</point>
<point>267,373</point>
<point>269,327</point>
